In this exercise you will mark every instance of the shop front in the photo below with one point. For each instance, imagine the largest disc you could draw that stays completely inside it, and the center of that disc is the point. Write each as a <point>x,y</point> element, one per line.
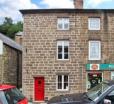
<point>96,73</point>
<point>93,78</point>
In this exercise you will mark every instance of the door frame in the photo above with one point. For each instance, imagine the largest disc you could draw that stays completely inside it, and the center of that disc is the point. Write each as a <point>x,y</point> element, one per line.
<point>34,89</point>
<point>92,72</point>
<point>111,75</point>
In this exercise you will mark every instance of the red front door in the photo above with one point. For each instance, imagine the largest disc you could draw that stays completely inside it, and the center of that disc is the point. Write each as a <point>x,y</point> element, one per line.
<point>39,89</point>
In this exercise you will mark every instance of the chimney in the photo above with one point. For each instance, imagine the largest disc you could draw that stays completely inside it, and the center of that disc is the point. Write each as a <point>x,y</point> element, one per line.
<point>78,4</point>
<point>19,37</point>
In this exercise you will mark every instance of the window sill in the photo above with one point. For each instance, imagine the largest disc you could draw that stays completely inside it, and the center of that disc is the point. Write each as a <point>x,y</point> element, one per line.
<point>62,90</point>
<point>63,59</point>
<point>94,59</point>
<point>63,29</point>
<point>94,30</point>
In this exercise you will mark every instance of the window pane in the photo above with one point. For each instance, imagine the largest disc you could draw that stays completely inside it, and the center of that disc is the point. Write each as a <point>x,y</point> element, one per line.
<point>66,49</point>
<point>65,85</point>
<point>59,23</point>
<point>66,26</point>
<point>66,43</point>
<point>66,56</point>
<point>59,85</point>
<point>60,26</point>
<point>59,20</point>
<point>59,82</point>
<point>66,52</point>
<point>59,49</point>
<point>59,56</point>
<point>94,50</point>
<point>94,23</point>
<point>59,78</point>
<point>59,52</point>
<point>63,49</point>
<point>65,81</point>
<point>63,23</point>
<point>66,78</point>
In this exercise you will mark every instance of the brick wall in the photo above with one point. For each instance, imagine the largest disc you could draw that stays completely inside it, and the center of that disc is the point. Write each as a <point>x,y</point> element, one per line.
<point>40,41</point>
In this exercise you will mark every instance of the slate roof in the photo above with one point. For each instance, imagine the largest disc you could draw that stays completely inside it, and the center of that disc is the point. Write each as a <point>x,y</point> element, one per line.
<point>10,42</point>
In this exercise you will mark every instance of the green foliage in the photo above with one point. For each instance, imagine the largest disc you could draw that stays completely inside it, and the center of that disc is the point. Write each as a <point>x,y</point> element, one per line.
<point>9,28</point>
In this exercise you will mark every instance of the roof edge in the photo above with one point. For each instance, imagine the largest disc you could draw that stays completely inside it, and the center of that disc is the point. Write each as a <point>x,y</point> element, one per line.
<point>6,40</point>
<point>30,11</point>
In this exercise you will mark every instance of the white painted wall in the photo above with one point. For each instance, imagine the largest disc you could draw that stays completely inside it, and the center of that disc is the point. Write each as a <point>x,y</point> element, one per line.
<point>1,47</point>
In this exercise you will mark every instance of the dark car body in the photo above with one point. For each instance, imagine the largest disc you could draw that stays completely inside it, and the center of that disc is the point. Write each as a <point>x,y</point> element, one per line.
<point>11,95</point>
<point>103,93</point>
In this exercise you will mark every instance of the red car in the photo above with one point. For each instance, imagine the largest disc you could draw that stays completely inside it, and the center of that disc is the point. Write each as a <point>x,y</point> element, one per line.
<point>11,95</point>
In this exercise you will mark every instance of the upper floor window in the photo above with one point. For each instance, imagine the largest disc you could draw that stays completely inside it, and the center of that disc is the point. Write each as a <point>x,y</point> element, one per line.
<point>1,47</point>
<point>63,50</point>
<point>94,23</point>
<point>94,50</point>
<point>62,82</point>
<point>63,24</point>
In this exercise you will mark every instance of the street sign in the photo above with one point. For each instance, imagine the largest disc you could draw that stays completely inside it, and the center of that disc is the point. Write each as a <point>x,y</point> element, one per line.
<point>94,66</point>
<point>101,66</point>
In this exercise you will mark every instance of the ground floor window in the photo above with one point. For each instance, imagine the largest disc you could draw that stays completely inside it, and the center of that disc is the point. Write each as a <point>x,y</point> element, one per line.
<point>93,78</point>
<point>62,82</point>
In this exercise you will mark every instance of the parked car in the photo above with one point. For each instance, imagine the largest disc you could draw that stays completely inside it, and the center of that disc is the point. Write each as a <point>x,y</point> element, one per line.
<point>103,93</point>
<point>11,95</point>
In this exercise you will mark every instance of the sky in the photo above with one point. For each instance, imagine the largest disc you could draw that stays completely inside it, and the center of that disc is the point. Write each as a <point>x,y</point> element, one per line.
<point>10,8</point>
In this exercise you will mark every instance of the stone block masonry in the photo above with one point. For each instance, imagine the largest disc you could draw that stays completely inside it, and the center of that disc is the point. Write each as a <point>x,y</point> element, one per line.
<point>40,48</point>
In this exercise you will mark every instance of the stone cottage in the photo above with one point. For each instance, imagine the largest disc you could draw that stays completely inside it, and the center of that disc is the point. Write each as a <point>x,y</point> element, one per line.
<point>65,50</point>
<point>10,62</point>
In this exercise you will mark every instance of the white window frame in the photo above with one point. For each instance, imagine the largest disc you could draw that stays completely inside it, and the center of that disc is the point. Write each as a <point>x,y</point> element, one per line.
<point>92,22</point>
<point>62,22</point>
<point>99,56</point>
<point>63,43</point>
<point>62,83</point>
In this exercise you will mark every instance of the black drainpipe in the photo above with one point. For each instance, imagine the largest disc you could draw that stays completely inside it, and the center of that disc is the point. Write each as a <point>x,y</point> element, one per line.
<point>18,67</point>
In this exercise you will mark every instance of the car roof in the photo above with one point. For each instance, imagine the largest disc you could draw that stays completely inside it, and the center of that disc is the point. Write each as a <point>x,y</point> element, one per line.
<point>109,82</point>
<point>5,87</point>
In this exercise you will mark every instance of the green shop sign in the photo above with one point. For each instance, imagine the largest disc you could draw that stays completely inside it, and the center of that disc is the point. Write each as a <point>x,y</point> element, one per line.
<point>99,66</point>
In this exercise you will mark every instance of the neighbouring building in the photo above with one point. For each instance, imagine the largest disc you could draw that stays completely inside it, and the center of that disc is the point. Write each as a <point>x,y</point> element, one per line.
<point>66,50</point>
<point>10,61</point>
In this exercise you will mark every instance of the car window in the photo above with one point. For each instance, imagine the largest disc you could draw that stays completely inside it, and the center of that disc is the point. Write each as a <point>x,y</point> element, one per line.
<point>2,98</point>
<point>112,93</point>
<point>96,91</point>
<point>13,96</point>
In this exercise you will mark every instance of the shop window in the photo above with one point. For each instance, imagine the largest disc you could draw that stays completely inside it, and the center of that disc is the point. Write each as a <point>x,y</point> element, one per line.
<point>62,82</point>
<point>63,24</point>
<point>94,23</point>
<point>93,79</point>
<point>94,50</point>
<point>63,50</point>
